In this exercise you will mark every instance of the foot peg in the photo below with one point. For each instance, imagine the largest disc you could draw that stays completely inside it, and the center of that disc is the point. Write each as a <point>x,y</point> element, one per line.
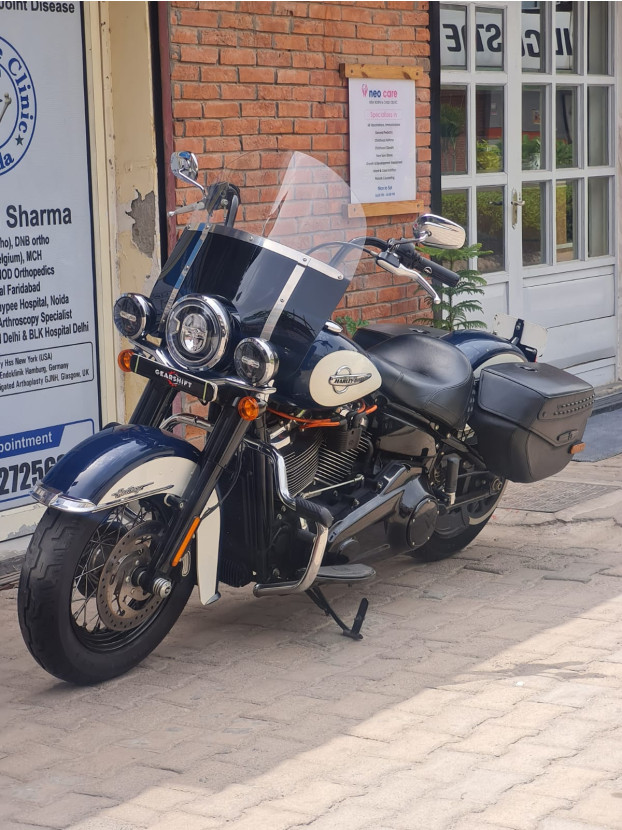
<point>316,595</point>
<point>344,573</point>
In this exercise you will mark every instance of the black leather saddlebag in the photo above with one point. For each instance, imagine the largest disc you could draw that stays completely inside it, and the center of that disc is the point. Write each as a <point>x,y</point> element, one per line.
<point>527,416</point>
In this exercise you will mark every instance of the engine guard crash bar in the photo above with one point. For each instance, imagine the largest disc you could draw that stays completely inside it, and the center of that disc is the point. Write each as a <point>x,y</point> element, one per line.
<point>307,510</point>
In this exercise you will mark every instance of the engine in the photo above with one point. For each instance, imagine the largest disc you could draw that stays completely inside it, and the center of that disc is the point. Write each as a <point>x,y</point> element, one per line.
<point>319,458</point>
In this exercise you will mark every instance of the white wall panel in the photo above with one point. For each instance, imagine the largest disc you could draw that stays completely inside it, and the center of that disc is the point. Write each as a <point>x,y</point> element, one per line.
<point>562,303</point>
<point>494,301</point>
<point>581,342</point>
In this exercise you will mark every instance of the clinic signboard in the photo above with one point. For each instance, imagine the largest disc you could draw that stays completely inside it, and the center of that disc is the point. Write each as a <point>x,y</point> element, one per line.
<point>49,396</point>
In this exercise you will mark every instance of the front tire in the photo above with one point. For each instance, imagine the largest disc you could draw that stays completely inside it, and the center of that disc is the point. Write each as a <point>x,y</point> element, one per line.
<point>81,617</point>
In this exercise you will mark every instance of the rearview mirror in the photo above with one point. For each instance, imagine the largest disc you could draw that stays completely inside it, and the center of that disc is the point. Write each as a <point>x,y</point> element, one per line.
<point>438,232</point>
<point>184,166</point>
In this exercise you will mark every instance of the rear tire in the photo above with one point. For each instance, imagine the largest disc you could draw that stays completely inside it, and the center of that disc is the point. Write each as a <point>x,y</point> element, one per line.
<point>75,570</point>
<point>457,528</point>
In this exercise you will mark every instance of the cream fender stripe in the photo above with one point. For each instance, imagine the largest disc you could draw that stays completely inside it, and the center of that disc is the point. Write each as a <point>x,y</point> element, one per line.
<point>208,545</point>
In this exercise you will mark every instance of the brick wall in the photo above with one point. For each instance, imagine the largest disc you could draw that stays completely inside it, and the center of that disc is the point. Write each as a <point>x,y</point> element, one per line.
<point>265,76</point>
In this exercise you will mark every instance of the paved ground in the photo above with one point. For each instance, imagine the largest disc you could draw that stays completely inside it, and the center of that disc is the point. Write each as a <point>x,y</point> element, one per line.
<point>486,694</point>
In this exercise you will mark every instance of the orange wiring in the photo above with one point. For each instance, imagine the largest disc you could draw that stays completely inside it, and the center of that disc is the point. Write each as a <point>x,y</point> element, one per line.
<point>308,423</point>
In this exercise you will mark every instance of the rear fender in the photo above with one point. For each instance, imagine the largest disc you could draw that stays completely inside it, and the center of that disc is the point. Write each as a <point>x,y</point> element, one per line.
<point>484,349</point>
<point>126,462</point>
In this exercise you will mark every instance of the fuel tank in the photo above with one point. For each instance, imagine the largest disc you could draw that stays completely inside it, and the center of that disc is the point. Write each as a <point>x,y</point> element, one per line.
<point>334,371</point>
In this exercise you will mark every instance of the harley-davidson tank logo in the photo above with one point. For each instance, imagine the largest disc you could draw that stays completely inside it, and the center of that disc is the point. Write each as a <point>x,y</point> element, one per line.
<point>344,378</point>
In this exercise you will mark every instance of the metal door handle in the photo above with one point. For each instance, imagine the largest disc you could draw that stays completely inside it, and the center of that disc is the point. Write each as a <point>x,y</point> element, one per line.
<point>516,201</point>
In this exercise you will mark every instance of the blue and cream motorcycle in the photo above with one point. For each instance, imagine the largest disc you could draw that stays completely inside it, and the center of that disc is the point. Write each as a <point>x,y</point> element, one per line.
<point>315,449</point>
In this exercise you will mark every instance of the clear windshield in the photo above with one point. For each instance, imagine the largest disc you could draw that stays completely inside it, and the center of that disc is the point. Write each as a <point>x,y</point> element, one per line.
<point>295,200</point>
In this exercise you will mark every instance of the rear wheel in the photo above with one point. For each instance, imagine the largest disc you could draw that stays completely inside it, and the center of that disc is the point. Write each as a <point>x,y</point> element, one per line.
<point>456,528</point>
<point>82,615</point>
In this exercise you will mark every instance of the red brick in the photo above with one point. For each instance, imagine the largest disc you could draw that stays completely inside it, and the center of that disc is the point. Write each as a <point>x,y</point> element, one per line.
<point>309,60</point>
<point>270,57</point>
<point>294,109</point>
<point>203,127</point>
<point>219,74</point>
<point>256,75</point>
<point>292,76</point>
<point>310,126</point>
<point>221,109</point>
<point>199,54</point>
<point>201,19</point>
<point>218,37</point>
<point>235,20</point>
<point>290,43</point>
<point>237,57</point>
<point>181,35</point>
<point>187,109</point>
<point>294,142</point>
<point>328,142</point>
<point>264,109</point>
<point>259,142</point>
<point>325,11</point>
<point>273,24</point>
<point>276,126</point>
<point>240,126</point>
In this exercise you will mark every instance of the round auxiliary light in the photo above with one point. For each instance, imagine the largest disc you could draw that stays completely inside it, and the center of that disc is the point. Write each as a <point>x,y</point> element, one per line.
<point>256,361</point>
<point>198,330</point>
<point>133,315</point>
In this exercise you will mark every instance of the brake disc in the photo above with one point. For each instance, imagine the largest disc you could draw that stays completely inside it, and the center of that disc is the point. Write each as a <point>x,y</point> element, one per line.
<point>122,604</point>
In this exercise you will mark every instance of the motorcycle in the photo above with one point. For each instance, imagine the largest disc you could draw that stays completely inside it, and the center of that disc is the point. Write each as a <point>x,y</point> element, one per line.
<point>310,439</point>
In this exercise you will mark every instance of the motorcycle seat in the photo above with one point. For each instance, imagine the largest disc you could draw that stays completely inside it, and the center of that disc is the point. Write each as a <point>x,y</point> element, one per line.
<point>425,374</point>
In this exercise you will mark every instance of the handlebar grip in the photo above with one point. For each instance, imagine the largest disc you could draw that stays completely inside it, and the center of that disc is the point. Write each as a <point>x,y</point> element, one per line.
<point>437,272</point>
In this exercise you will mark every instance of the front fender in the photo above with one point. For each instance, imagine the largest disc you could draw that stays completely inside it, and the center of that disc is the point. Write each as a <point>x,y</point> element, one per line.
<point>116,465</point>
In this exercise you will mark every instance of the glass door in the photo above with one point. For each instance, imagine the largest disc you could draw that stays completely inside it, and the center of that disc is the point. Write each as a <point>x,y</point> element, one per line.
<point>527,165</point>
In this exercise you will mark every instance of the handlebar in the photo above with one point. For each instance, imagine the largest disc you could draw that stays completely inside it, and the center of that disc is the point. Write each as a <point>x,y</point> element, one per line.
<point>436,271</point>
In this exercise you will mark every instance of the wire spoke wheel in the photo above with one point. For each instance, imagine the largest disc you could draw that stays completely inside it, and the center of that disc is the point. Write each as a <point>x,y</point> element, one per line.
<point>83,615</point>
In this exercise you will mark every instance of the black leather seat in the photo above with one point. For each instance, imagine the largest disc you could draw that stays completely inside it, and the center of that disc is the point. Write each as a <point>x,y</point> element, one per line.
<point>426,374</point>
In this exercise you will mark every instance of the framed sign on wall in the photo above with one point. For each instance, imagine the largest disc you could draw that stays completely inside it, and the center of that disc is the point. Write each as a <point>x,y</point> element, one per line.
<point>383,152</point>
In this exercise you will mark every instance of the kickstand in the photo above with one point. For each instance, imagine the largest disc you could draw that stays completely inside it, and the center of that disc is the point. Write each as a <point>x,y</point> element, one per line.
<point>320,600</point>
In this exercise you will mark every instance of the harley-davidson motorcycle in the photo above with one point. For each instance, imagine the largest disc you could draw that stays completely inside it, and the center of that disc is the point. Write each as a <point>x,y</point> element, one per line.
<point>314,444</point>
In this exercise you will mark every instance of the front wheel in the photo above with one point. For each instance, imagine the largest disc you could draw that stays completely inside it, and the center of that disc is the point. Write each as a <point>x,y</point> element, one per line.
<point>82,616</point>
<point>456,528</point>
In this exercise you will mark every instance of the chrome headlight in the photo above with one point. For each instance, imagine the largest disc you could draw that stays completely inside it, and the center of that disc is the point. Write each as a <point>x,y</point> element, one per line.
<point>256,361</point>
<point>134,315</point>
<point>198,330</point>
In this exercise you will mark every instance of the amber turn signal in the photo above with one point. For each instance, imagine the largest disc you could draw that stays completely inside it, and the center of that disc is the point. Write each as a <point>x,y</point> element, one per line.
<point>124,359</point>
<point>577,448</point>
<point>249,409</point>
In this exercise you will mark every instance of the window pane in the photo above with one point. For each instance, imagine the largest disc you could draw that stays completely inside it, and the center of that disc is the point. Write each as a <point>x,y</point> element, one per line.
<point>533,110</point>
<point>533,213</point>
<point>453,37</point>
<point>453,130</point>
<point>566,127</point>
<point>455,206</point>
<point>597,125</point>
<point>565,220</point>
<point>489,38</point>
<point>490,228</point>
<point>566,16</point>
<point>532,19</point>
<point>489,129</point>
<point>598,217</point>
<point>598,38</point>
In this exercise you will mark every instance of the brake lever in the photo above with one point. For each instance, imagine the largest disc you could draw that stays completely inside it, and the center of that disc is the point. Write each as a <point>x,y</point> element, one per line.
<point>400,270</point>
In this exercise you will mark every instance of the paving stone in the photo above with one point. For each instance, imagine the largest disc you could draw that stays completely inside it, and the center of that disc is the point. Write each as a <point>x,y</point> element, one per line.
<point>522,810</point>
